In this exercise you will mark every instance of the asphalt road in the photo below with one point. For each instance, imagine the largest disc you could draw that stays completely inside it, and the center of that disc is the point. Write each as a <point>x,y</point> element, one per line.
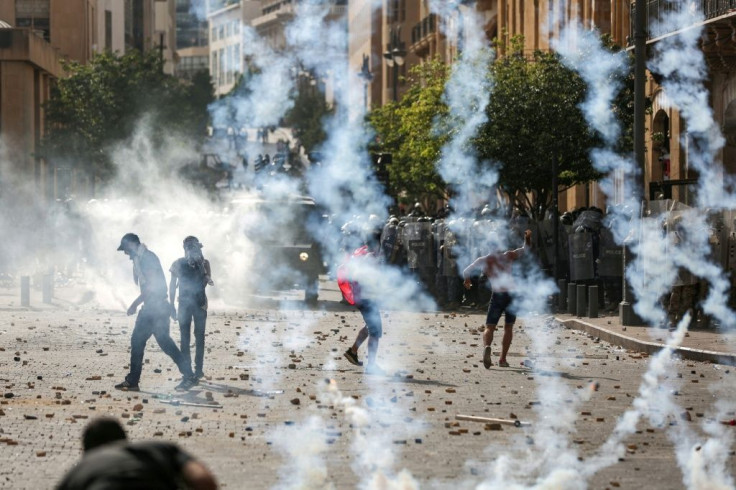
<point>295,414</point>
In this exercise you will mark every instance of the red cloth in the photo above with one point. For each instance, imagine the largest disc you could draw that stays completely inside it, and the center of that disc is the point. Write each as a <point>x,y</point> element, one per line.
<point>350,289</point>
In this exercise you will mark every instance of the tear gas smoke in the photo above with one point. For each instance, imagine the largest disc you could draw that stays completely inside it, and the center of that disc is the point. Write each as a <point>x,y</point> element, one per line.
<point>466,95</point>
<point>144,198</point>
<point>303,448</point>
<point>658,261</point>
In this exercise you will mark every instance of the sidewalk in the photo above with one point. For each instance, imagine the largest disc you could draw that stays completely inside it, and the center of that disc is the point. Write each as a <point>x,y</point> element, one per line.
<point>708,345</point>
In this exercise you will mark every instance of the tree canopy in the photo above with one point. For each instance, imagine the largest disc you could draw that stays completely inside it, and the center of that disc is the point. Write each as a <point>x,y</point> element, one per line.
<point>101,103</point>
<point>534,126</point>
<point>406,129</point>
<point>306,117</point>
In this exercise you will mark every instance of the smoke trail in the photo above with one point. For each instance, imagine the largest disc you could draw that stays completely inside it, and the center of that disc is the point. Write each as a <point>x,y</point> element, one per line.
<point>303,448</point>
<point>373,447</point>
<point>345,186</point>
<point>552,462</point>
<point>680,60</point>
<point>467,94</point>
<point>656,266</point>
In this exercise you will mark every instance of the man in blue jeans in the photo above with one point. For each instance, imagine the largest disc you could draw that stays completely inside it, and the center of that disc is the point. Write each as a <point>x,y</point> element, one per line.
<point>153,319</point>
<point>191,274</point>
<point>497,268</point>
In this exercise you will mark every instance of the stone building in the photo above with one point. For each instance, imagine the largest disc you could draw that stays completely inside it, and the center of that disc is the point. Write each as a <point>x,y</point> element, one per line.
<point>410,29</point>
<point>39,34</point>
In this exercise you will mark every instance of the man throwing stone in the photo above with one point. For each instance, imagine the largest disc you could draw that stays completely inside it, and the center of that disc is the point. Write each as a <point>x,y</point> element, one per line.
<point>497,268</point>
<point>153,319</point>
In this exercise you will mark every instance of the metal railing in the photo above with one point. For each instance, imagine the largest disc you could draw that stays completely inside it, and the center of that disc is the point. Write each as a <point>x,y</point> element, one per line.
<point>423,28</point>
<point>660,9</point>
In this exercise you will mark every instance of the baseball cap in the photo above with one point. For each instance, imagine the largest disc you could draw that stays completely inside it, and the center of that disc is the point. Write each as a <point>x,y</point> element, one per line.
<point>128,238</point>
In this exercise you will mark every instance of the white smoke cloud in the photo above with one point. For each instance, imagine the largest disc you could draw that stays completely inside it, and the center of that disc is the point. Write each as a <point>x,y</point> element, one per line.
<point>660,257</point>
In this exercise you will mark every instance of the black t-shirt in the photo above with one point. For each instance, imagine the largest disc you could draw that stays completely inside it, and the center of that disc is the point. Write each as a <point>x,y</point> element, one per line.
<point>191,278</point>
<point>124,466</point>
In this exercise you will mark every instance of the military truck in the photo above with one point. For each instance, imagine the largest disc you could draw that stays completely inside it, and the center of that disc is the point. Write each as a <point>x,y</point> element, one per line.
<point>287,254</point>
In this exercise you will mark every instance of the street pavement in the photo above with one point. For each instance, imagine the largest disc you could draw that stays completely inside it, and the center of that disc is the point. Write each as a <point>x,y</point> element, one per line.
<point>703,344</point>
<point>281,407</point>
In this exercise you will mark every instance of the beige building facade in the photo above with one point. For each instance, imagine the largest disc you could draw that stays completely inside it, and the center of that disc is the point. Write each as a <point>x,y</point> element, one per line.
<point>269,18</point>
<point>667,171</point>
<point>669,145</point>
<point>37,36</point>
<point>421,34</point>
<point>28,66</point>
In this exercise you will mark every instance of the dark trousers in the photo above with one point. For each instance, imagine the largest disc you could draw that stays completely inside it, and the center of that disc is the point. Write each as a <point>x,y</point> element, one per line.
<point>371,317</point>
<point>153,320</point>
<point>188,311</point>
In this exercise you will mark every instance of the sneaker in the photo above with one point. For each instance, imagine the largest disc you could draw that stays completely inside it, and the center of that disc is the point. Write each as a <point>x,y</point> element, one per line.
<point>127,386</point>
<point>374,369</point>
<point>487,357</point>
<point>186,384</point>
<point>352,357</point>
<point>198,376</point>
<point>503,363</point>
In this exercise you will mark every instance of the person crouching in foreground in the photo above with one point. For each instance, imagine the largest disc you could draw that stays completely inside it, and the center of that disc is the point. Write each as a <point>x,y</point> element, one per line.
<point>112,463</point>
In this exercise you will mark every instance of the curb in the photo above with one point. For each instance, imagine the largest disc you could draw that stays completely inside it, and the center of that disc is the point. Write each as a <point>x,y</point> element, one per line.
<point>631,343</point>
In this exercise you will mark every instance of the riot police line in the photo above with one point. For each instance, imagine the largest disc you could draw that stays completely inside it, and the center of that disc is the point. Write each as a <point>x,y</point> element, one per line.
<point>587,254</point>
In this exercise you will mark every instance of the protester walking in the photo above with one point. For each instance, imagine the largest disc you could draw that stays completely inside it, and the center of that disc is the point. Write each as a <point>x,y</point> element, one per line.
<point>191,274</point>
<point>153,318</point>
<point>497,268</point>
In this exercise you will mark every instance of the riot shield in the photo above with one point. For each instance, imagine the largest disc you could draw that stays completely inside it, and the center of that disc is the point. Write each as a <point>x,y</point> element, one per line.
<point>449,259</point>
<point>390,243</point>
<point>611,256</point>
<point>424,245</point>
<point>413,243</point>
<point>581,256</point>
<point>438,235</point>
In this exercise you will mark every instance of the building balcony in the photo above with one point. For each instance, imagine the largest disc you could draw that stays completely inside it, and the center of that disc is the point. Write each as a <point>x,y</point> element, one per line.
<point>421,34</point>
<point>285,10</point>
<point>717,18</point>
<point>24,45</point>
<point>714,11</point>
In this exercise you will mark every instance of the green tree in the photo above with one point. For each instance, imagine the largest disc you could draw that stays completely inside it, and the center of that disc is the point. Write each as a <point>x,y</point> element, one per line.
<point>306,117</point>
<point>407,130</point>
<point>535,125</point>
<point>100,104</point>
<point>623,104</point>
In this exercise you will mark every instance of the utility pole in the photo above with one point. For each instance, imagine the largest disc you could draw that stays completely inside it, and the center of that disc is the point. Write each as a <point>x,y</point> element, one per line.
<point>161,50</point>
<point>626,310</point>
<point>640,73</point>
<point>394,57</point>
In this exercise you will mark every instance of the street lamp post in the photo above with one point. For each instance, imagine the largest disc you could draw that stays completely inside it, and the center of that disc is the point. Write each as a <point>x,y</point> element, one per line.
<point>394,56</point>
<point>627,316</point>
<point>367,76</point>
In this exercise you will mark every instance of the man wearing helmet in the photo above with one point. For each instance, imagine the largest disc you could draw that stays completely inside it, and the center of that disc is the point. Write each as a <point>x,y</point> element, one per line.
<point>191,274</point>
